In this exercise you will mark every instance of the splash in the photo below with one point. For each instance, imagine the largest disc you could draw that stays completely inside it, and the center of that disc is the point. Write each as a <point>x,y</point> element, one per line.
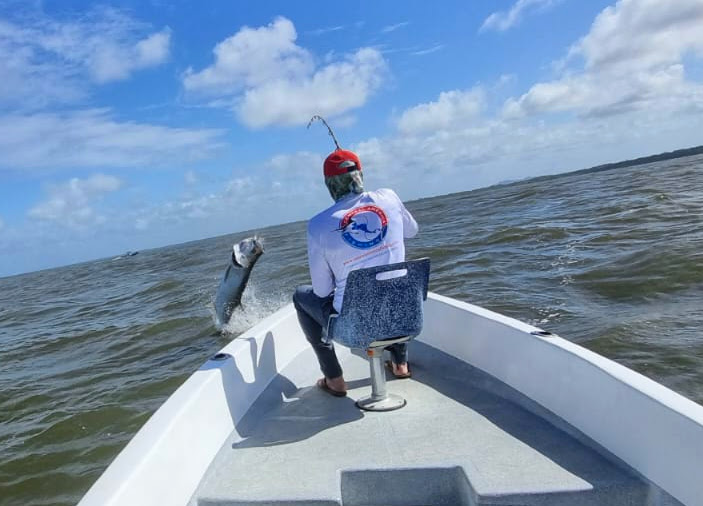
<point>255,307</point>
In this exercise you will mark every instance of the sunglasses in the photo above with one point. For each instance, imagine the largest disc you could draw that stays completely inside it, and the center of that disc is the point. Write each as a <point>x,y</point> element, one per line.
<point>349,165</point>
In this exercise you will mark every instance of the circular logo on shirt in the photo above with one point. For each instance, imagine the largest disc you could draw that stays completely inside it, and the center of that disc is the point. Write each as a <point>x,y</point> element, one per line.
<point>364,227</point>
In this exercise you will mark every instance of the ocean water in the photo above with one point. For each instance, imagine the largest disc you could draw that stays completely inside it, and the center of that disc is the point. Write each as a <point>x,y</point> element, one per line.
<point>611,260</point>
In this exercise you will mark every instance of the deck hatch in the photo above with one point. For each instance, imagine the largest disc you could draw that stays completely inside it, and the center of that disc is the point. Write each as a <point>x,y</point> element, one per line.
<point>406,487</point>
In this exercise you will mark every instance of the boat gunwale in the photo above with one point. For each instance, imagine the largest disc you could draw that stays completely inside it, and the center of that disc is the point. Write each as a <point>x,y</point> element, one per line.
<point>653,461</point>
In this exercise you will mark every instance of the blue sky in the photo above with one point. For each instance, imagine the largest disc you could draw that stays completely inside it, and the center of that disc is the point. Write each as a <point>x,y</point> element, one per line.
<point>135,124</point>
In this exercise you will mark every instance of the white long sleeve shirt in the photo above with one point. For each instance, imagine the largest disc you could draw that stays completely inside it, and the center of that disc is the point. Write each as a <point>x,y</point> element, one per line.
<point>359,230</point>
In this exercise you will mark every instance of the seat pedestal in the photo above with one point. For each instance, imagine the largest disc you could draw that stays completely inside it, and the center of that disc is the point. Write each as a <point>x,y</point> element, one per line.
<point>380,399</point>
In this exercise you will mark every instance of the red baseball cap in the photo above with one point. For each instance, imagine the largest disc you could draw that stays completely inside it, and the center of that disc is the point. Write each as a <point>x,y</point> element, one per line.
<point>341,161</point>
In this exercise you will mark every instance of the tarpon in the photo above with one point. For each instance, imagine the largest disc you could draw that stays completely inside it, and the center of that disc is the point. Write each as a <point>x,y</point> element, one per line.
<point>229,294</point>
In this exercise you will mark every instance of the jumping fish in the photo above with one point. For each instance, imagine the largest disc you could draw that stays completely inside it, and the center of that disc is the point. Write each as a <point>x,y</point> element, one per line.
<point>229,294</point>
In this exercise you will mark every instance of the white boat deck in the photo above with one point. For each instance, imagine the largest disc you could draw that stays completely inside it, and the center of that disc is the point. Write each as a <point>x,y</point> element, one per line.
<point>498,413</point>
<point>463,438</point>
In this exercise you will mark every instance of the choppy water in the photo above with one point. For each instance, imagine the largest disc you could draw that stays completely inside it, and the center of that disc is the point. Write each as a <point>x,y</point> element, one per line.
<point>613,261</point>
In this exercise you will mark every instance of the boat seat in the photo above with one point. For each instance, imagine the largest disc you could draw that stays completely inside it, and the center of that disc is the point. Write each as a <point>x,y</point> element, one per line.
<point>382,306</point>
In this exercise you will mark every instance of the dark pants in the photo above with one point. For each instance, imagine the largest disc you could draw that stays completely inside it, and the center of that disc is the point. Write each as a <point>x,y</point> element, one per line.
<point>313,315</point>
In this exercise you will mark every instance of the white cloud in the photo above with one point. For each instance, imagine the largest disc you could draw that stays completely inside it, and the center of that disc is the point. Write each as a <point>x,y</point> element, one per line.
<point>112,62</point>
<point>633,59</point>
<point>29,80</point>
<point>267,79</point>
<point>488,150</point>
<point>331,91</point>
<point>635,35</point>
<point>503,20</point>
<point>238,184</point>
<point>71,204</point>
<point>190,177</point>
<point>93,139</point>
<point>330,29</point>
<point>251,58</point>
<point>303,162</point>
<point>297,173</point>
<point>46,60</point>
<point>153,50</point>
<point>430,50</point>
<point>393,28</point>
<point>452,109</point>
<point>286,187</point>
<point>92,213</point>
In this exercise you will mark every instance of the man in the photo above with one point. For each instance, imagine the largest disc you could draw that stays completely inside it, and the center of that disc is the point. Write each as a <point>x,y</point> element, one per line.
<point>361,229</point>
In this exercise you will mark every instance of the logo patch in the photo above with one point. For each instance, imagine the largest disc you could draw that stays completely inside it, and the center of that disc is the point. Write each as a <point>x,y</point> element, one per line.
<point>364,227</point>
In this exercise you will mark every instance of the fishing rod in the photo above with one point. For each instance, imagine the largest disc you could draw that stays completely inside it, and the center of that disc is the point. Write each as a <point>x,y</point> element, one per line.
<point>329,129</point>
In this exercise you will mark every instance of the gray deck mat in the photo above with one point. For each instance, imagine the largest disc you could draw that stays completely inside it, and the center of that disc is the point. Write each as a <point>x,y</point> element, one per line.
<point>463,438</point>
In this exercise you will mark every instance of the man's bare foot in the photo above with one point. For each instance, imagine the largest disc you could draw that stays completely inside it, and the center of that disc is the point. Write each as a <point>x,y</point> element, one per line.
<point>333,386</point>
<point>400,371</point>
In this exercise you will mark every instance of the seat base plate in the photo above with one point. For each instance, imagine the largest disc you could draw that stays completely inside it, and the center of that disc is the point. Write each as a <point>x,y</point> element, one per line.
<point>388,403</point>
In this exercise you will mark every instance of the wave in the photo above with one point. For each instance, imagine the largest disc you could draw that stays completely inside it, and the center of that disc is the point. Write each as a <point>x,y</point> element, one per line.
<point>510,235</point>
<point>644,273</point>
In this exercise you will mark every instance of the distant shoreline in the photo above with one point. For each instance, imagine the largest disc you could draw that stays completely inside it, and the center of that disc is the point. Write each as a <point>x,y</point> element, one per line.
<point>668,155</point>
